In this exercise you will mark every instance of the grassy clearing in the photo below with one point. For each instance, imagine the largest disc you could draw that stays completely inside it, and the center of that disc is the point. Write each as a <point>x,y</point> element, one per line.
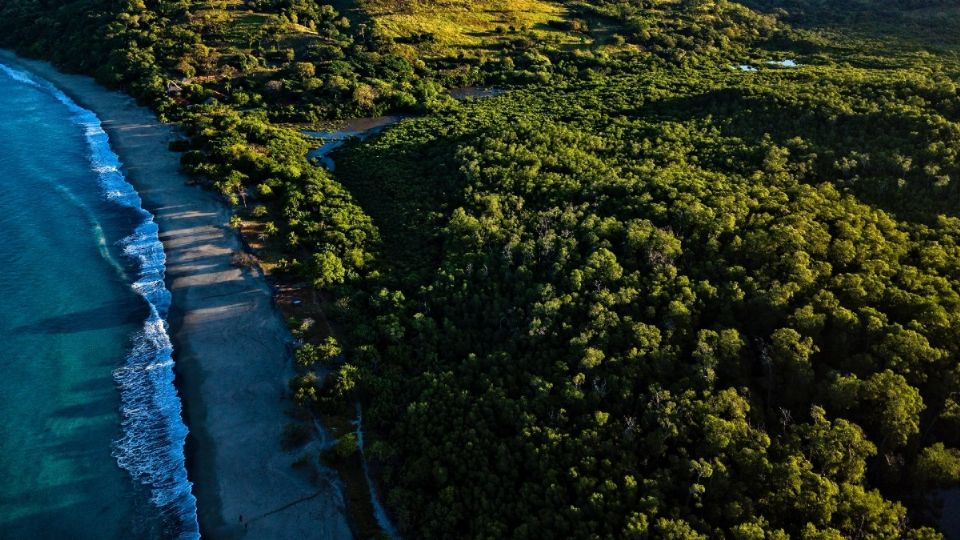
<point>462,24</point>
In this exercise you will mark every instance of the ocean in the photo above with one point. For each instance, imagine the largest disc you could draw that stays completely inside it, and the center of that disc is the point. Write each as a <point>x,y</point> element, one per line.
<point>92,438</point>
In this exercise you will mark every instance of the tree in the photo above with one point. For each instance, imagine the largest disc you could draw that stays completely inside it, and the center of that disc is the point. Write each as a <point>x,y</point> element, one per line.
<point>938,466</point>
<point>326,270</point>
<point>838,449</point>
<point>895,407</point>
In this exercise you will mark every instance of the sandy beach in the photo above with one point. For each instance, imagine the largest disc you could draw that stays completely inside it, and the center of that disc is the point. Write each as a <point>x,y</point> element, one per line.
<point>230,341</point>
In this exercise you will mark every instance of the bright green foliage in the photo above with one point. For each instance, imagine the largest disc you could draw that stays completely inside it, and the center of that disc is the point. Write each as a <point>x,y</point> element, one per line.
<point>305,389</point>
<point>346,446</point>
<point>939,466</point>
<point>310,355</point>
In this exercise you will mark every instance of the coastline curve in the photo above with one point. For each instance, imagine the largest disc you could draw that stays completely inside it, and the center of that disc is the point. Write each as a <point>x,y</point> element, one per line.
<point>153,434</point>
<point>232,356</point>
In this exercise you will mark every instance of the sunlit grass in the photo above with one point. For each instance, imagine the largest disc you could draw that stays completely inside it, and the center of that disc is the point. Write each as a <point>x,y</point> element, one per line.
<point>466,24</point>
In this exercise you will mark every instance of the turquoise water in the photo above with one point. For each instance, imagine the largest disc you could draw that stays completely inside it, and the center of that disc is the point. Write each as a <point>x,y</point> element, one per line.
<point>92,440</point>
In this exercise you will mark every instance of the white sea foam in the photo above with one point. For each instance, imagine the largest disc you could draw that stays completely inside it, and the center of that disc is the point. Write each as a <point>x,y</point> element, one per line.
<point>153,433</point>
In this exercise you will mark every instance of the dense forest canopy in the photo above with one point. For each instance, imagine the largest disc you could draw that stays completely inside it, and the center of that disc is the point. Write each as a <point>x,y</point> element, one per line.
<point>666,309</point>
<point>667,286</point>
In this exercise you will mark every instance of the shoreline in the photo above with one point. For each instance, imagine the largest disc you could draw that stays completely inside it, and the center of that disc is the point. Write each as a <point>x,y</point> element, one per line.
<point>230,340</point>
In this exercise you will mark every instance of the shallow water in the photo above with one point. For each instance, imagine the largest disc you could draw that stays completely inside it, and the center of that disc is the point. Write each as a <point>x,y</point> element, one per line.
<point>92,445</point>
<point>359,128</point>
<point>788,63</point>
<point>783,63</point>
<point>475,92</point>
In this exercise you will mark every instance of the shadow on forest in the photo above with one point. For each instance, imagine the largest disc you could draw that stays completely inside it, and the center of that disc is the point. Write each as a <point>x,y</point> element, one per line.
<point>868,141</point>
<point>405,212</point>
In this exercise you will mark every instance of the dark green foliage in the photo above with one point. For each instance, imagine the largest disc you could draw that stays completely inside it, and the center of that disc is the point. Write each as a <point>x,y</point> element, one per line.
<point>664,303</point>
<point>929,23</point>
